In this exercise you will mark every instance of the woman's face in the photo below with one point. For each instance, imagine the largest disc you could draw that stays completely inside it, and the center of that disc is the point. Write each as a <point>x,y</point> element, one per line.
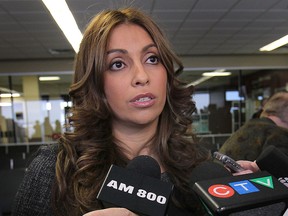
<point>135,79</point>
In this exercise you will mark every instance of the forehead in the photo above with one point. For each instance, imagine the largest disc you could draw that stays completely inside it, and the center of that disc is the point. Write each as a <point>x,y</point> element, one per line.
<point>127,33</point>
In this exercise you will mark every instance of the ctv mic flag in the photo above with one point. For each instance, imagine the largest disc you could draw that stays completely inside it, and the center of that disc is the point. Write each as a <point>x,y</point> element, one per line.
<point>238,193</point>
<point>139,193</point>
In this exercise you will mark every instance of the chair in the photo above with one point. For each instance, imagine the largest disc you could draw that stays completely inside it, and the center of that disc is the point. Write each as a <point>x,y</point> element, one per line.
<point>9,183</point>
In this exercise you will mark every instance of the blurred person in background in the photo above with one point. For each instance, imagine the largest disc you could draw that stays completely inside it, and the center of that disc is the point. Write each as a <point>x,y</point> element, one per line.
<point>254,136</point>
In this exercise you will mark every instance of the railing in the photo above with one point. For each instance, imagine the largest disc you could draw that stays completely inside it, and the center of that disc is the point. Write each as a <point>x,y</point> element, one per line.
<point>18,155</point>
<point>217,140</point>
<point>28,145</point>
<point>15,155</point>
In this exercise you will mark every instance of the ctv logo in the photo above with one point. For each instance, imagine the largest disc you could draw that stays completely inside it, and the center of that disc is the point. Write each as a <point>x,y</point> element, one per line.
<point>241,187</point>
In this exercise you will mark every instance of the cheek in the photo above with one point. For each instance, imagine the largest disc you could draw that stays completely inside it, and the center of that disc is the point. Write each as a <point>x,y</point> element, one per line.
<point>113,90</point>
<point>162,82</point>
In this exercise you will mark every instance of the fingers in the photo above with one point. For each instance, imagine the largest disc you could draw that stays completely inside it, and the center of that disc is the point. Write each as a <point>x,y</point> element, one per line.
<point>111,212</point>
<point>242,172</point>
<point>249,165</point>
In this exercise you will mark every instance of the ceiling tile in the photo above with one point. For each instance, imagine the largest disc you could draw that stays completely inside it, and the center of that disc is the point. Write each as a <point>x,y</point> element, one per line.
<point>173,5</point>
<point>195,27</point>
<point>255,4</point>
<point>215,5</point>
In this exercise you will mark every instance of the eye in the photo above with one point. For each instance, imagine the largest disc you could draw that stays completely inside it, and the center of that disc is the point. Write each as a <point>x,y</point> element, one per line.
<point>117,65</point>
<point>153,59</point>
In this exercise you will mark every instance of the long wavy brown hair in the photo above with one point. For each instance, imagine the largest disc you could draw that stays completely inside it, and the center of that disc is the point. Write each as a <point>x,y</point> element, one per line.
<point>86,153</point>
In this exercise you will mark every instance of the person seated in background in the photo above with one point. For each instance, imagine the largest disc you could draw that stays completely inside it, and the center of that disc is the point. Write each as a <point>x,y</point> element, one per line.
<point>254,136</point>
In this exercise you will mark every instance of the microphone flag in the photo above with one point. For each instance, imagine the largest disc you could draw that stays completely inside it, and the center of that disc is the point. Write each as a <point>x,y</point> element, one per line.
<point>238,193</point>
<point>139,193</point>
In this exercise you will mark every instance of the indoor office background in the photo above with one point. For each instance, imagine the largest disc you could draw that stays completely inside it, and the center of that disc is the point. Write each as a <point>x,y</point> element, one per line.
<point>33,112</point>
<point>209,36</point>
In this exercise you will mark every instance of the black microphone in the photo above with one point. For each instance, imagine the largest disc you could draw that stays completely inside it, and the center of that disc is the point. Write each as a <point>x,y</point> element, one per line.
<point>275,162</point>
<point>250,194</point>
<point>137,187</point>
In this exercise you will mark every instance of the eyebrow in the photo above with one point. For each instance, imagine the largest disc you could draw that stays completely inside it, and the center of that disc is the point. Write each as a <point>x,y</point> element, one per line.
<point>148,46</point>
<point>145,48</point>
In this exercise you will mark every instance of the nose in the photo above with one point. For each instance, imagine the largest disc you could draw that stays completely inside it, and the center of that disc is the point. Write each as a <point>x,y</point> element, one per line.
<point>141,76</point>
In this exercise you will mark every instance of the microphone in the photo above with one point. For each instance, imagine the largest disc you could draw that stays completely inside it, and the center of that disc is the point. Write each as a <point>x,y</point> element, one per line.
<point>250,194</point>
<point>275,162</point>
<point>137,187</point>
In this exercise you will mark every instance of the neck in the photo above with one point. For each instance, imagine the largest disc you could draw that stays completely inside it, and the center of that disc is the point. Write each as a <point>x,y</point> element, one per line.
<point>135,139</point>
<point>279,122</point>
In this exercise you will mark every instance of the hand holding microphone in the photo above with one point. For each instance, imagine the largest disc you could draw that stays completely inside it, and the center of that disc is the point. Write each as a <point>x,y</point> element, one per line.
<point>234,167</point>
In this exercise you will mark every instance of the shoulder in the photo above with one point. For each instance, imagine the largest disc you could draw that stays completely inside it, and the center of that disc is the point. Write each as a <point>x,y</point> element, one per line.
<point>259,121</point>
<point>42,168</point>
<point>34,194</point>
<point>257,125</point>
<point>254,130</point>
<point>44,161</point>
<point>45,156</point>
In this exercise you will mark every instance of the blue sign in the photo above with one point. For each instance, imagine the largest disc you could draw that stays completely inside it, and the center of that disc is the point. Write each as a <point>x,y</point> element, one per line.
<point>243,187</point>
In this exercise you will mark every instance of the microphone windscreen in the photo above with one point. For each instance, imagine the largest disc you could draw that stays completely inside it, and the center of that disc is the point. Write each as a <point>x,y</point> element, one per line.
<point>273,161</point>
<point>208,170</point>
<point>145,165</point>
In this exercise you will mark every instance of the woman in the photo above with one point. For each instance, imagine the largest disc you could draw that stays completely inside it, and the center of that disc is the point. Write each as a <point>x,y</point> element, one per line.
<point>127,102</point>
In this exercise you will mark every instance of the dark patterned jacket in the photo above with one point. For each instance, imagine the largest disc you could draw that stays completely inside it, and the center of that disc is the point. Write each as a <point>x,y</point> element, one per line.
<point>253,137</point>
<point>34,194</point>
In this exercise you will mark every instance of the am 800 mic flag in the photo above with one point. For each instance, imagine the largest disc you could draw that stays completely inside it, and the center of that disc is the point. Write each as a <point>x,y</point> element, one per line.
<point>137,187</point>
<point>250,194</point>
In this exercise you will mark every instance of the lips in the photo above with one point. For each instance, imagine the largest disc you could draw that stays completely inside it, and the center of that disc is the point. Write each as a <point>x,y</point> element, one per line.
<point>143,97</point>
<point>143,100</point>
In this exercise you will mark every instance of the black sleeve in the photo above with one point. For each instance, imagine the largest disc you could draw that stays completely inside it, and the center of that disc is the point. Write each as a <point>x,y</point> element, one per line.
<point>34,193</point>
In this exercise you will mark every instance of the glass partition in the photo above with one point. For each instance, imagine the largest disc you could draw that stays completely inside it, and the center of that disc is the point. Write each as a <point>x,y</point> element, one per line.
<point>33,111</point>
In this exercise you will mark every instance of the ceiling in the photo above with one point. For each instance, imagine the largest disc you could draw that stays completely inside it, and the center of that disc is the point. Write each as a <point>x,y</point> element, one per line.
<point>196,28</point>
